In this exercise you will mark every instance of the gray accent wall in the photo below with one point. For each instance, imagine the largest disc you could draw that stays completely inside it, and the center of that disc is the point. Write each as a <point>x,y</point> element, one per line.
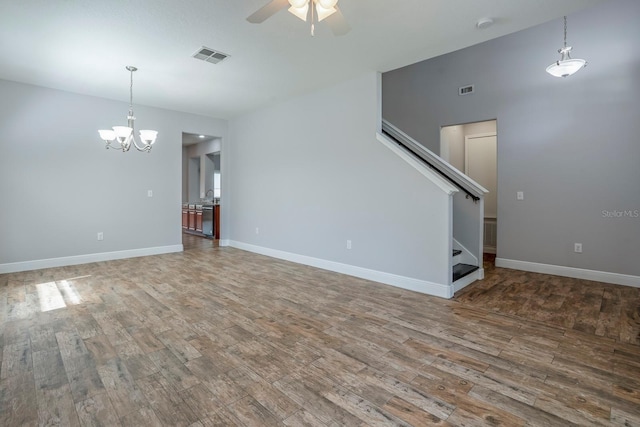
<point>59,187</point>
<point>571,145</point>
<point>310,174</point>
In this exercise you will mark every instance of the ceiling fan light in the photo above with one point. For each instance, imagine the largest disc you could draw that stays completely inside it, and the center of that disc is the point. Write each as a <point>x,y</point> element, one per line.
<point>324,12</point>
<point>300,12</point>
<point>327,4</point>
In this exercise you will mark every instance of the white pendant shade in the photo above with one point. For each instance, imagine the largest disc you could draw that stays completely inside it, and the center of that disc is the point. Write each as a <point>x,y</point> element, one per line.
<point>300,12</point>
<point>324,12</point>
<point>122,133</point>
<point>148,136</point>
<point>107,135</point>
<point>566,67</point>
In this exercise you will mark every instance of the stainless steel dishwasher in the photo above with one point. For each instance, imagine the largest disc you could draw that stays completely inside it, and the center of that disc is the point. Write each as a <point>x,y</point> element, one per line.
<point>207,221</point>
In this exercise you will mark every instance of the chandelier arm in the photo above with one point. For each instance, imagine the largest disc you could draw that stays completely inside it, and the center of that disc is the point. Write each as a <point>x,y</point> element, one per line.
<point>116,147</point>
<point>146,147</point>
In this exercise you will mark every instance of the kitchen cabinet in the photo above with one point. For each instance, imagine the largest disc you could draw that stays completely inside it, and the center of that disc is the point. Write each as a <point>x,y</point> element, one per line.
<point>192,218</point>
<point>199,219</point>
<point>185,216</point>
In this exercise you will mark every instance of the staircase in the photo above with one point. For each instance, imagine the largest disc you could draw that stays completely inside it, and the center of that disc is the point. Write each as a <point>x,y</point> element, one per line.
<point>467,207</point>
<point>461,270</point>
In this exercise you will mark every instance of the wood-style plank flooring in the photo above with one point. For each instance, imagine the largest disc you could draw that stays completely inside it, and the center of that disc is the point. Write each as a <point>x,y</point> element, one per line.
<point>602,309</point>
<point>221,337</point>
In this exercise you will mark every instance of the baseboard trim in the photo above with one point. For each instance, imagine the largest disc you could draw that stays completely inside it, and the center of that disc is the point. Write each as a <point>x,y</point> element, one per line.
<point>224,242</point>
<point>576,273</point>
<point>16,267</point>
<point>403,282</point>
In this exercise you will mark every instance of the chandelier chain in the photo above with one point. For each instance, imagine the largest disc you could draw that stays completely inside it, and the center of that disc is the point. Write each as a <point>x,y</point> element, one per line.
<point>565,31</point>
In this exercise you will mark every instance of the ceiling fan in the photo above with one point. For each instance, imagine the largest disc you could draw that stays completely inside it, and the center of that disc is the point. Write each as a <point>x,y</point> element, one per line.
<point>307,10</point>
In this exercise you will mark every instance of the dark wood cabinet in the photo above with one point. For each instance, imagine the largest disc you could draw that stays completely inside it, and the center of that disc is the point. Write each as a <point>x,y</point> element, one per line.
<point>195,221</point>
<point>192,219</point>
<point>185,217</point>
<point>199,220</point>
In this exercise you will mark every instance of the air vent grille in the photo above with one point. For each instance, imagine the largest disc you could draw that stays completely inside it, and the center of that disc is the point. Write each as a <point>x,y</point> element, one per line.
<point>466,90</point>
<point>210,55</point>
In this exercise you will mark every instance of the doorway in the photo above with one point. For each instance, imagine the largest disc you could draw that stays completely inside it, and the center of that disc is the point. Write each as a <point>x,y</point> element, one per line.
<point>472,149</point>
<point>201,189</point>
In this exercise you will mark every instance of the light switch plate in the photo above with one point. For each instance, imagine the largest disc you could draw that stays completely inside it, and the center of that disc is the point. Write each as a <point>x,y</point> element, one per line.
<point>520,195</point>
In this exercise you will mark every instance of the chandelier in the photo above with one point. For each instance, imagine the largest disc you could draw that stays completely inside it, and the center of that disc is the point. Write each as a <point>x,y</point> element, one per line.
<point>121,137</point>
<point>320,9</point>
<point>566,66</point>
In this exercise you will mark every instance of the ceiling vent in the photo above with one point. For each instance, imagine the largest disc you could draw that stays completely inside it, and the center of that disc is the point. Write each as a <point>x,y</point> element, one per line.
<point>466,90</point>
<point>210,55</point>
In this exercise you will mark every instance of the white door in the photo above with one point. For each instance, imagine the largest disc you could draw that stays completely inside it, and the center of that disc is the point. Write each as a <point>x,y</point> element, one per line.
<point>480,163</point>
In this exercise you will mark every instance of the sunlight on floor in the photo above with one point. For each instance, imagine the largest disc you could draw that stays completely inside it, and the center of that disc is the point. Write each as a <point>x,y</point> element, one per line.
<point>55,295</point>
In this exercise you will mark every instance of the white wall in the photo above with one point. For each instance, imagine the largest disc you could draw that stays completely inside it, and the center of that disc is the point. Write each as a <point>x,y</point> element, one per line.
<point>571,145</point>
<point>310,174</point>
<point>59,186</point>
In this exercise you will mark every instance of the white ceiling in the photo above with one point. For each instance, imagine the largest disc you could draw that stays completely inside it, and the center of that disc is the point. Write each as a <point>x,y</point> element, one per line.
<point>83,46</point>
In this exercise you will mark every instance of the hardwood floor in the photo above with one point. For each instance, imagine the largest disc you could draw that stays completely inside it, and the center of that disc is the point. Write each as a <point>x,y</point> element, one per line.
<point>219,336</point>
<point>602,309</point>
<point>193,241</point>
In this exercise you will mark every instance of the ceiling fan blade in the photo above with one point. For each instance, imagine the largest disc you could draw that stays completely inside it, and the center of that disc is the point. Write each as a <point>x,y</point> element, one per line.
<point>337,23</point>
<point>267,11</point>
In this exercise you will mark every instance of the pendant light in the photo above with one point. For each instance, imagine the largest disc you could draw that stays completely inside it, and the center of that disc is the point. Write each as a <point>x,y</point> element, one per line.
<point>566,66</point>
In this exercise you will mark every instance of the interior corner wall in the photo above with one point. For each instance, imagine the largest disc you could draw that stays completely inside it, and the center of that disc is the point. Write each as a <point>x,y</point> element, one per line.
<point>309,174</point>
<point>571,145</point>
<point>59,187</point>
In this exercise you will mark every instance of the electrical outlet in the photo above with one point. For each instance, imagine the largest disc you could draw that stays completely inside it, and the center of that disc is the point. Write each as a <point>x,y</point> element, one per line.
<point>149,193</point>
<point>257,230</point>
<point>348,244</point>
<point>100,235</point>
<point>577,248</point>
<point>520,195</point>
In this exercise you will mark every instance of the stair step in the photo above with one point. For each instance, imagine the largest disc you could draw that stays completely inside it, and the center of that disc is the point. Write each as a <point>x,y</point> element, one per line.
<point>462,270</point>
<point>456,252</point>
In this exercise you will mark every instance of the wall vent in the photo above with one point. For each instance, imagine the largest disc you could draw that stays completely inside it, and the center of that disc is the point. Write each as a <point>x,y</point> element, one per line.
<point>466,90</point>
<point>210,55</point>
